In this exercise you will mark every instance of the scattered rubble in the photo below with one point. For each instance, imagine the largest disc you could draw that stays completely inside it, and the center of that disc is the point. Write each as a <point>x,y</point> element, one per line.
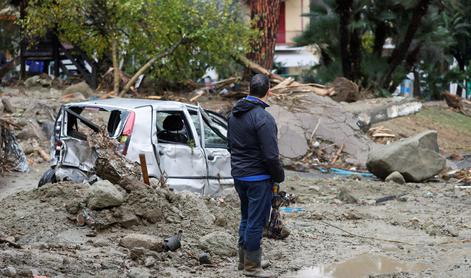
<point>416,158</point>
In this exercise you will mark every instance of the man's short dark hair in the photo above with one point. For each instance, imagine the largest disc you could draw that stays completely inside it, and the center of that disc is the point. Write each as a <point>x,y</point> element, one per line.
<point>259,85</point>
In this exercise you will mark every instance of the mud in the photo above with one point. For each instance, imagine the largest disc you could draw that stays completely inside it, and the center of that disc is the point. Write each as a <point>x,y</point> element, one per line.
<point>422,234</point>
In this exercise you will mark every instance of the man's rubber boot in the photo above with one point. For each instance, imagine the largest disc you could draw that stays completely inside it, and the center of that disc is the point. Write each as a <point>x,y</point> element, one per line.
<point>241,258</point>
<point>265,263</point>
<point>253,265</point>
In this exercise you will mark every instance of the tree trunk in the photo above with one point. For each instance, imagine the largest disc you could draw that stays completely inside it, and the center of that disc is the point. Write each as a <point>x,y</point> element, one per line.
<point>355,52</point>
<point>461,65</point>
<point>264,15</point>
<point>114,53</point>
<point>344,10</point>
<point>380,39</point>
<point>417,91</point>
<point>401,51</point>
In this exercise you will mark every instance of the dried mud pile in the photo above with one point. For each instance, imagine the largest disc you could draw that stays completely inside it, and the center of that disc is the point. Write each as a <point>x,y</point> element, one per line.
<point>47,224</point>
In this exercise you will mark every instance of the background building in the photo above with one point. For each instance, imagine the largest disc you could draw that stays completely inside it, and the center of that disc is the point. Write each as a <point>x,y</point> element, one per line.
<point>289,59</point>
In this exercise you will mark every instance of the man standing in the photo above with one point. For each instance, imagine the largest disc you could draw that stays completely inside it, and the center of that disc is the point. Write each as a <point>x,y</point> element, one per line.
<point>252,140</point>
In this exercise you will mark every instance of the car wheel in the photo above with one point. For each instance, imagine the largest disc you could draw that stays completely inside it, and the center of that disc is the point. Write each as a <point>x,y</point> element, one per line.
<point>48,177</point>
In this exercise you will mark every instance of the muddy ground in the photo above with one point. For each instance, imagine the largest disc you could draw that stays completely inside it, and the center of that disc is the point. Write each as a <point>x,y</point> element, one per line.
<point>424,233</point>
<point>339,232</point>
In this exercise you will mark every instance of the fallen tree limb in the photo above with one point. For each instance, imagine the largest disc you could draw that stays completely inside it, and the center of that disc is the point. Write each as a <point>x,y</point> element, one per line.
<point>286,85</point>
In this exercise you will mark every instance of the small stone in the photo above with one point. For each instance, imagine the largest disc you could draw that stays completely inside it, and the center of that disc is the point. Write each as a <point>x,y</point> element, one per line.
<point>428,194</point>
<point>137,252</point>
<point>9,271</point>
<point>345,196</point>
<point>103,194</point>
<point>149,261</point>
<point>128,219</point>
<point>395,177</point>
<point>141,240</point>
<point>402,199</point>
<point>203,258</point>
<point>138,272</point>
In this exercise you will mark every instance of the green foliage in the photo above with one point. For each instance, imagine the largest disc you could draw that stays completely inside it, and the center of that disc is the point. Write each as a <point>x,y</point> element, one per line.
<point>445,31</point>
<point>215,31</point>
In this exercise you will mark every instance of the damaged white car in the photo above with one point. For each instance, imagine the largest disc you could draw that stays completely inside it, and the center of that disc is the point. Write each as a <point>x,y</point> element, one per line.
<point>185,143</point>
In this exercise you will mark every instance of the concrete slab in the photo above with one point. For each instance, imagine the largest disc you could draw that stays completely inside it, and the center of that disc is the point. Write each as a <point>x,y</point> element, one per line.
<point>298,117</point>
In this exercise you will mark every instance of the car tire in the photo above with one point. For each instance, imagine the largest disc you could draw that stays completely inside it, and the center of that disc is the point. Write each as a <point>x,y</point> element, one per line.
<point>48,177</point>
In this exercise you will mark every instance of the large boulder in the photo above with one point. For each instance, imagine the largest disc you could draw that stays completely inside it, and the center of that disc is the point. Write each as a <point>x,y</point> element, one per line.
<point>416,158</point>
<point>103,194</point>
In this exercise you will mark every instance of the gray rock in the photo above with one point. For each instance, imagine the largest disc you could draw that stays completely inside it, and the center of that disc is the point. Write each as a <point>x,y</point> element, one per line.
<point>138,272</point>
<point>345,196</point>
<point>144,241</point>
<point>103,194</point>
<point>32,81</point>
<point>395,177</point>
<point>149,261</point>
<point>9,271</point>
<point>81,88</point>
<point>128,219</point>
<point>416,158</point>
<point>219,243</point>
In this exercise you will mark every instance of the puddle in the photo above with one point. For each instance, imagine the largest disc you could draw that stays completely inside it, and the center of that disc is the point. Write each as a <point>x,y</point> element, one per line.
<point>359,266</point>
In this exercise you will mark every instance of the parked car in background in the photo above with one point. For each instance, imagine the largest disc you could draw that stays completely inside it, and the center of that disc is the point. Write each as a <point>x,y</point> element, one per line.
<point>183,142</point>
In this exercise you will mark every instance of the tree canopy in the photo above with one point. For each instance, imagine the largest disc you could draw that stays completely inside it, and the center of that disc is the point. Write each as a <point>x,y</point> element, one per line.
<point>425,35</point>
<point>208,33</point>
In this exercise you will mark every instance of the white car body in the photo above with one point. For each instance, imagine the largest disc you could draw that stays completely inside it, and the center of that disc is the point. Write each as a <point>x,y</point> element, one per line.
<point>200,164</point>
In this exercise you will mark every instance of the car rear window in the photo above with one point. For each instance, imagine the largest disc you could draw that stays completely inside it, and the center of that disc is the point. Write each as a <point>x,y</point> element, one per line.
<point>82,121</point>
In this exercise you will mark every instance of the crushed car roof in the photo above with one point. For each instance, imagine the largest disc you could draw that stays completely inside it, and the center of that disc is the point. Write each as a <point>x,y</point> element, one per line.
<point>130,103</point>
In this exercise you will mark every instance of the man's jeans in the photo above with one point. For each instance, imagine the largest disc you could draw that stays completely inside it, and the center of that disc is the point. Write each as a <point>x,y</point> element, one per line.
<point>255,204</point>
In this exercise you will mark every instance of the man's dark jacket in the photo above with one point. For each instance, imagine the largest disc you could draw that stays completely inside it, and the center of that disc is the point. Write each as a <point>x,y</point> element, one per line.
<point>252,141</point>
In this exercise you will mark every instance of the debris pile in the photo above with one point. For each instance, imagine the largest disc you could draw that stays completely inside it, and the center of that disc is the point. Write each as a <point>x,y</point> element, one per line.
<point>381,135</point>
<point>144,225</point>
<point>12,156</point>
<point>110,164</point>
<point>306,118</point>
<point>29,116</point>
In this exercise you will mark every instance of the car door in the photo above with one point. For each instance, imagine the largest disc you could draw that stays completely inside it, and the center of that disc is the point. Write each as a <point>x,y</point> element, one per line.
<point>141,140</point>
<point>181,157</point>
<point>218,158</point>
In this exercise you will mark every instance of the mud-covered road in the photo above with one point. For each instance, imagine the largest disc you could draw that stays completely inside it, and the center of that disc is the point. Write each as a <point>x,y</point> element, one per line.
<point>340,232</point>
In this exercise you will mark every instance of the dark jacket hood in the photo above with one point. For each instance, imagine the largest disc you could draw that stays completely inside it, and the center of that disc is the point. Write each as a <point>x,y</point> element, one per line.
<point>243,106</point>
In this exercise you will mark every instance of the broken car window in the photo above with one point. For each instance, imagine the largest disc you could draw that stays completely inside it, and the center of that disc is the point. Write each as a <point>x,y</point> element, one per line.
<point>214,133</point>
<point>172,128</point>
<point>82,121</point>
